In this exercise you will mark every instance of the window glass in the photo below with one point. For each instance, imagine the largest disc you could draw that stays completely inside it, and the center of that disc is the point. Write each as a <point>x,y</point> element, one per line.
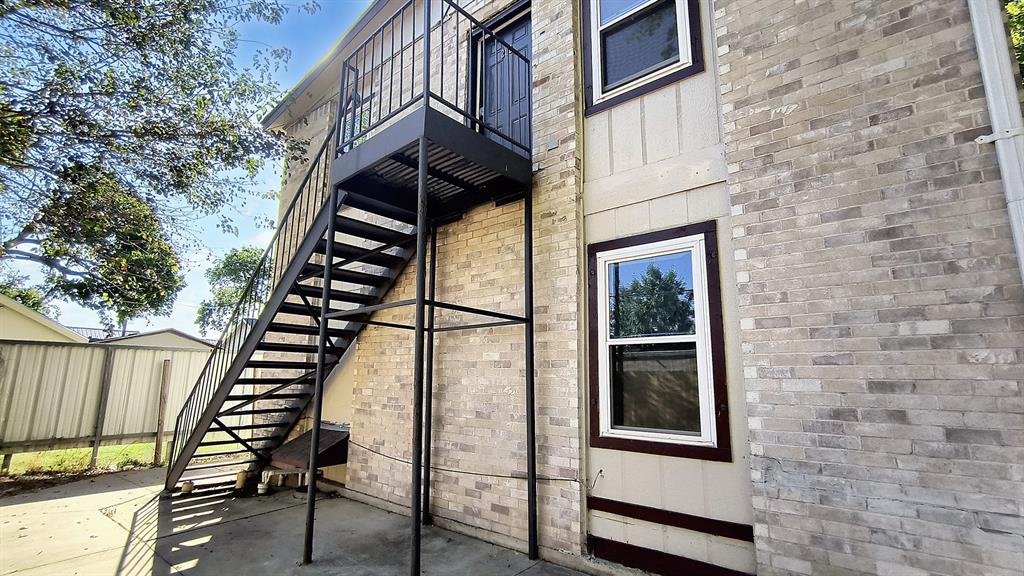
<point>651,296</point>
<point>654,387</point>
<point>641,43</point>
<point>612,9</point>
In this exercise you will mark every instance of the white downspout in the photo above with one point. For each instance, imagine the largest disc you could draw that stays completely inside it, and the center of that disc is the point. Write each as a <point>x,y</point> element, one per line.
<point>1003,109</point>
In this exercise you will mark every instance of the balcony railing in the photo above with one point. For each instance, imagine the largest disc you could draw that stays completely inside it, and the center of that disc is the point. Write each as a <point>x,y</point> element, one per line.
<point>475,76</point>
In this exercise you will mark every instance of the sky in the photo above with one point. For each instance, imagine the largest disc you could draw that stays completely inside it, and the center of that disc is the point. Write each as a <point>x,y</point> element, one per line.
<point>309,37</point>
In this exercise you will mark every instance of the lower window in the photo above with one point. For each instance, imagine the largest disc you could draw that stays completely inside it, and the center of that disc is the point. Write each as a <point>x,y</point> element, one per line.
<point>657,345</point>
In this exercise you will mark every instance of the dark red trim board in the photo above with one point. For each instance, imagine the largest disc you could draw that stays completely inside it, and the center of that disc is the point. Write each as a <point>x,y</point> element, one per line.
<point>654,561</point>
<point>720,453</point>
<point>711,526</point>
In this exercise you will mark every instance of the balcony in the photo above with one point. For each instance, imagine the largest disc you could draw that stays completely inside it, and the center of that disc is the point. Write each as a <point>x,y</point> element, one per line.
<point>464,87</point>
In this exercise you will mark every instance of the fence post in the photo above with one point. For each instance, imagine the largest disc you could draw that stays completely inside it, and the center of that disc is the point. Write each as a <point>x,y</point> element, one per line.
<point>5,468</point>
<point>165,380</point>
<point>101,409</point>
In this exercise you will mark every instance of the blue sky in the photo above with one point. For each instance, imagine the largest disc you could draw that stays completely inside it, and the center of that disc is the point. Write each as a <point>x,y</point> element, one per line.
<point>309,37</point>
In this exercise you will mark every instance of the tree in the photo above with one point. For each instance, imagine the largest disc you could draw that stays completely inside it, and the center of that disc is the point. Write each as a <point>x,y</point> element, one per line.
<point>13,286</point>
<point>1015,16</point>
<point>655,303</point>
<point>102,247</point>
<point>229,278</point>
<point>136,106</point>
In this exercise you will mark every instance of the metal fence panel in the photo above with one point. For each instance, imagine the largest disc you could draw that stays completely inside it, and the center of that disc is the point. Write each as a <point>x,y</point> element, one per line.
<point>50,392</point>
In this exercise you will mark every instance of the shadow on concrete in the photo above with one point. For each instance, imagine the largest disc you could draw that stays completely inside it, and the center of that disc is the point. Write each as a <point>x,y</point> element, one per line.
<point>214,532</point>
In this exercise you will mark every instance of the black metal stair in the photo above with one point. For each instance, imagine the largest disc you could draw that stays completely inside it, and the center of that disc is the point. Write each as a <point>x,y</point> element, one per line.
<point>260,379</point>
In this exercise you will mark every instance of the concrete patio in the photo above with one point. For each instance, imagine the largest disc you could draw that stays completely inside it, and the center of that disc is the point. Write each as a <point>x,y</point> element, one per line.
<point>118,524</point>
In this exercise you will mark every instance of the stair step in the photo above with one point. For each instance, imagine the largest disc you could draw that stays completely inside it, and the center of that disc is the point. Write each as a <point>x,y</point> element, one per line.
<point>221,464</point>
<point>345,275</point>
<point>266,411</point>
<point>339,295</point>
<point>284,328</point>
<point>348,251</point>
<point>281,396</point>
<point>219,454</point>
<point>265,381</point>
<point>374,206</point>
<point>358,228</point>
<point>263,426</point>
<point>287,347</point>
<point>271,438</point>
<point>280,365</point>
<point>301,310</point>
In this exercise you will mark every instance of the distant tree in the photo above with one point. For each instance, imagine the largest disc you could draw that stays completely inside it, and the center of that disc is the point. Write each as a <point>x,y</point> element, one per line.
<point>654,303</point>
<point>14,286</point>
<point>141,107</point>
<point>229,277</point>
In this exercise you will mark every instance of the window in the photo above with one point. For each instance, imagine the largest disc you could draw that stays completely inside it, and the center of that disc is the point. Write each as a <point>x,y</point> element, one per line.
<point>657,354</point>
<point>633,46</point>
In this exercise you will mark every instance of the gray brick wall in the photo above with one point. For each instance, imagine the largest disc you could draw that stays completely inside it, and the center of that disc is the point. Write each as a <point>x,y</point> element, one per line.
<point>880,298</point>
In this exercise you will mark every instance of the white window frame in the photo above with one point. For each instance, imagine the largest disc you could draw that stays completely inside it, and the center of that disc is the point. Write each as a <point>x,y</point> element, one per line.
<point>702,337</point>
<point>684,36</point>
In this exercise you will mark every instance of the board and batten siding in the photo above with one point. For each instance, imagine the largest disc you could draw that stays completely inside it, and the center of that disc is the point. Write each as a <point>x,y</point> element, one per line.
<point>652,163</point>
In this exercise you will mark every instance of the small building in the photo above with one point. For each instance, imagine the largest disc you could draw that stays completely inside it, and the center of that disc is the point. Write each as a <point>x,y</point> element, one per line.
<point>19,322</point>
<point>169,338</point>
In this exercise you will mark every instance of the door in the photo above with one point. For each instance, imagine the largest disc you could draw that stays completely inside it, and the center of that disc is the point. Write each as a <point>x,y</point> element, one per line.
<point>505,91</point>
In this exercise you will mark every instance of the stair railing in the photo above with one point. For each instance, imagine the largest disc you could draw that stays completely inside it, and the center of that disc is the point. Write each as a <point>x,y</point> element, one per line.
<point>302,211</point>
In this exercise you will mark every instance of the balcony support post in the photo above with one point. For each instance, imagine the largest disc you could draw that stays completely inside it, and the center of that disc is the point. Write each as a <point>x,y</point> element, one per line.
<point>418,359</point>
<point>531,425</point>
<point>428,401</point>
<point>321,375</point>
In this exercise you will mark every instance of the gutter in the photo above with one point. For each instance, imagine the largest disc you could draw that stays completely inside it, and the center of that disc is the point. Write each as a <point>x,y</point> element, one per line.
<point>346,38</point>
<point>1004,109</point>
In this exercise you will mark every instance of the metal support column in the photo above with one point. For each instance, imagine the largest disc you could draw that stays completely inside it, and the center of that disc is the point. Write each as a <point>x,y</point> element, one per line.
<point>531,425</point>
<point>321,374</point>
<point>428,400</point>
<point>417,382</point>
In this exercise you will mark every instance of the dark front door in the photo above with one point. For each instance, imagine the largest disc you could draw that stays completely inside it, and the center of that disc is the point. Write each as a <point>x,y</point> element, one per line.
<point>505,90</point>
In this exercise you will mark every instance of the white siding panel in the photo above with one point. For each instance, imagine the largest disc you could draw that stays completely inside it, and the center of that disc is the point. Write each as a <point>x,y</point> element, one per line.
<point>626,129</point>
<point>597,159</point>
<point>661,138</point>
<point>698,112</point>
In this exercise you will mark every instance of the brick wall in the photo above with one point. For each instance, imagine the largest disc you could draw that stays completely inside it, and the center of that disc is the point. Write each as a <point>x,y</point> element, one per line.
<point>479,403</point>
<point>879,293</point>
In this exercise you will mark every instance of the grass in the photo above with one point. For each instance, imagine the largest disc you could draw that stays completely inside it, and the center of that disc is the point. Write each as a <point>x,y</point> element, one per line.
<point>71,460</point>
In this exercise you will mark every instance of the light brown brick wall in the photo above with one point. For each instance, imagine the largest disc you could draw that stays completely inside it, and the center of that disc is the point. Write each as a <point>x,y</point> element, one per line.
<point>879,294</point>
<point>479,403</point>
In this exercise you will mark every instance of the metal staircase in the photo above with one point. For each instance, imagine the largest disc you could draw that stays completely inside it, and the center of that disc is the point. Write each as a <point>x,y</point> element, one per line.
<point>420,139</point>
<point>261,375</point>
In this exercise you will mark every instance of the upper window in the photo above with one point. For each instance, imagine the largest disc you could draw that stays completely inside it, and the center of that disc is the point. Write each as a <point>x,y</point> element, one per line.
<point>638,44</point>
<point>659,380</point>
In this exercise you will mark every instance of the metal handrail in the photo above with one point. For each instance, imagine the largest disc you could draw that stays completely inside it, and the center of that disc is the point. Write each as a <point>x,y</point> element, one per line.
<point>392,74</point>
<point>311,194</point>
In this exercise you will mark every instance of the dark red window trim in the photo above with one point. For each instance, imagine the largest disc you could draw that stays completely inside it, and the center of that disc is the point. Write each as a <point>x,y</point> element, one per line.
<point>696,67</point>
<point>723,451</point>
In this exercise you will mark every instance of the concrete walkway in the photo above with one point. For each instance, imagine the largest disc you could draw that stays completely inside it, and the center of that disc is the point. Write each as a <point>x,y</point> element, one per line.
<point>118,524</point>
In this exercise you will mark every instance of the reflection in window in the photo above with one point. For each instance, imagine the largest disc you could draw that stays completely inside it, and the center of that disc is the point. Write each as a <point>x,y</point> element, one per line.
<point>651,296</point>
<point>642,43</point>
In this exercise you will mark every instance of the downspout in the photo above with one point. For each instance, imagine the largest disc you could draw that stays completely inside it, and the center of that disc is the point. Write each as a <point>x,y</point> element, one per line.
<point>997,73</point>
